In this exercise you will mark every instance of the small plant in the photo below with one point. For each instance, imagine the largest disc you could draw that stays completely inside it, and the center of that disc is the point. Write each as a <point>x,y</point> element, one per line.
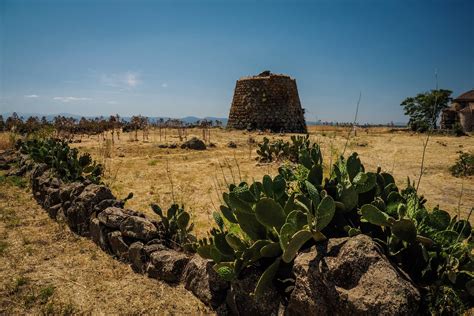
<point>464,165</point>
<point>176,227</point>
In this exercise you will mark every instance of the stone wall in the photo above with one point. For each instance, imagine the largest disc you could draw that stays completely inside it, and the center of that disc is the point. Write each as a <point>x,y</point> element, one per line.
<point>267,102</point>
<point>91,210</point>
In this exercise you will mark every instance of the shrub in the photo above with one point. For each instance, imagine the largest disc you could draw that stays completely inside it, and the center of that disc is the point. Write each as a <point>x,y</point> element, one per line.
<point>464,165</point>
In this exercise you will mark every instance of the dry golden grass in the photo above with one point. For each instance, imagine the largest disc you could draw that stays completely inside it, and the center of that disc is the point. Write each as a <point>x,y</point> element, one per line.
<point>197,178</point>
<point>46,269</point>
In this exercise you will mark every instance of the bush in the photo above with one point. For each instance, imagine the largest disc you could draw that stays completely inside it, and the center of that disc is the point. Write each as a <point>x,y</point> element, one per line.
<point>464,165</point>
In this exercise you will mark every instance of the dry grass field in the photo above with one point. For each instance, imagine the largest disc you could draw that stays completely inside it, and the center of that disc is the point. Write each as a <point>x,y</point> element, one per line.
<point>197,178</point>
<point>44,268</point>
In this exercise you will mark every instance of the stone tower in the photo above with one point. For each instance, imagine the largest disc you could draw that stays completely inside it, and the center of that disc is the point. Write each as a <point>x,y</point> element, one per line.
<point>267,101</point>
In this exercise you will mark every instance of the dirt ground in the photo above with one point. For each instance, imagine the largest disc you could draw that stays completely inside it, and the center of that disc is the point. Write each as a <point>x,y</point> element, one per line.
<point>44,268</point>
<point>197,178</point>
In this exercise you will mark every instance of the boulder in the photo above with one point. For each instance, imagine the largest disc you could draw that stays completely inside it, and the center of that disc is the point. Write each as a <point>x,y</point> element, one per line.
<point>98,233</point>
<point>137,257</point>
<point>167,265</point>
<point>138,228</point>
<point>102,205</point>
<point>54,210</point>
<point>118,246</point>
<point>66,190</point>
<point>350,276</point>
<point>152,247</point>
<point>240,301</point>
<point>200,278</point>
<point>194,143</point>
<point>112,217</point>
<point>81,209</point>
<point>51,198</point>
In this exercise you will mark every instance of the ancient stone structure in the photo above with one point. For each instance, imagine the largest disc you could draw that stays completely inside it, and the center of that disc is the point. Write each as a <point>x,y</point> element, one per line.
<point>461,111</point>
<point>267,102</point>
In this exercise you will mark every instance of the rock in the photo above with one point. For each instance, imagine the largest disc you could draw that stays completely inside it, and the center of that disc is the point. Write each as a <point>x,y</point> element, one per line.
<point>167,265</point>
<point>240,301</point>
<point>231,144</point>
<point>200,278</point>
<point>350,276</point>
<point>53,210</point>
<point>51,198</point>
<point>151,248</point>
<point>81,209</point>
<point>102,205</point>
<point>66,190</point>
<point>112,217</point>
<point>139,228</point>
<point>121,155</point>
<point>40,182</point>
<point>118,245</point>
<point>137,257</point>
<point>98,233</point>
<point>194,143</point>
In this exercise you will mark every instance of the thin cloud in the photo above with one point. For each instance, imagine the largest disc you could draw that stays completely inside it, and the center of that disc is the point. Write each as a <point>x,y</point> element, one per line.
<point>31,96</point>
<point>127,80</point>
<point>70,99</point>
<point>164,85</point>
<point>111,102</point>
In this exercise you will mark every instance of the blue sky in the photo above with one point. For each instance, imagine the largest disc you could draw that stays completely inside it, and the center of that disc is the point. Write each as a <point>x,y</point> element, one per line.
<point>180,58</point>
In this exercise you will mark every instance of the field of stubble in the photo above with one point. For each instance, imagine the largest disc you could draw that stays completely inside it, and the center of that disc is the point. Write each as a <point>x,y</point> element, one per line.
<point>197,178</point>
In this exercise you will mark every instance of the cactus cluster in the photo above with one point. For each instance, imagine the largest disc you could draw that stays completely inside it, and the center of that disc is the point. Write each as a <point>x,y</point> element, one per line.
<point>176,227</point>
<point>278,150</point>
<point>65,161</point>
<point>267,223</point>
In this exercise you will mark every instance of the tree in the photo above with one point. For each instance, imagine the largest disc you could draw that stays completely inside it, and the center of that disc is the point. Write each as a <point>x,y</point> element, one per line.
<point>2,124</point>
<point>425,108</point>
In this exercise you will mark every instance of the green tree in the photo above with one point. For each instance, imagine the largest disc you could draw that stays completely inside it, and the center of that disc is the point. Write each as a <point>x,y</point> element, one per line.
<point>425,108</point>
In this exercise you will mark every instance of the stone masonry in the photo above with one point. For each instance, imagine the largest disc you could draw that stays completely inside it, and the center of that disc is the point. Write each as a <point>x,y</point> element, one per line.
<point>267,102</point>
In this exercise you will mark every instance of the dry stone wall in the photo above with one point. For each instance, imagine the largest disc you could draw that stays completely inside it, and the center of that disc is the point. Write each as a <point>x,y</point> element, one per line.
<point>267,102</point>
<point>92,211</point>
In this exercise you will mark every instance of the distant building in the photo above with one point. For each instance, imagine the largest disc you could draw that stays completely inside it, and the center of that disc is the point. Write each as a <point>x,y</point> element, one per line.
<point>461,111</point>
<point>267,102</point>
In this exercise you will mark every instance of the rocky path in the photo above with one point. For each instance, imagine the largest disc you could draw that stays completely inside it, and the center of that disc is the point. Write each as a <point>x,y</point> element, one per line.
<point>45,268</point>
